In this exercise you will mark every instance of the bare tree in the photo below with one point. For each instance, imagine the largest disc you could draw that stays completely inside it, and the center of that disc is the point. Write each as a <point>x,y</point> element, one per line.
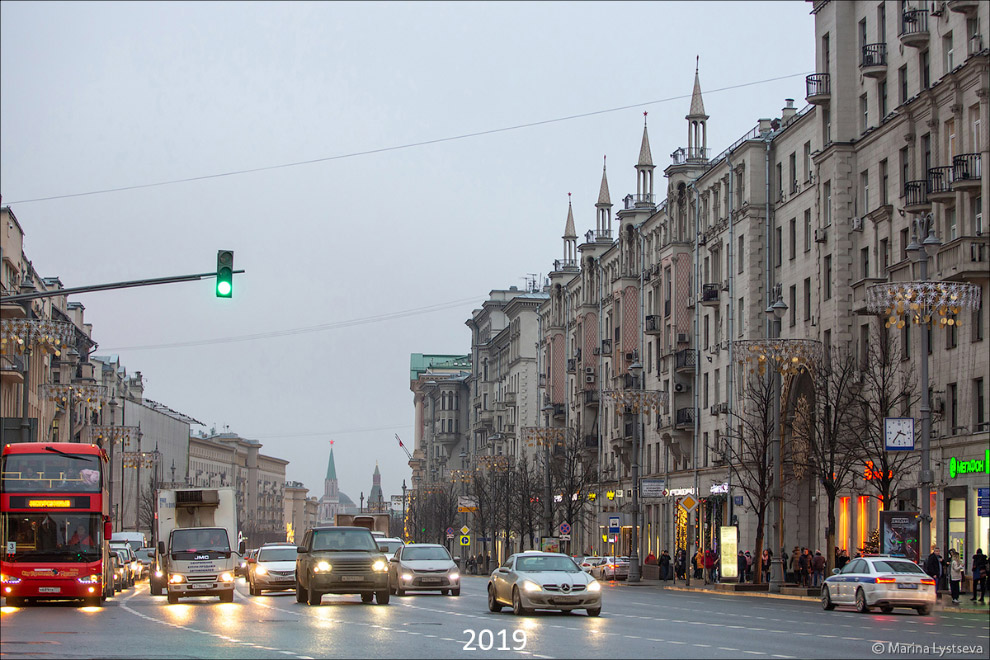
<point>888,390</point>
<point>824,429</point>
<point>146,508</point>
<point>573,474</point>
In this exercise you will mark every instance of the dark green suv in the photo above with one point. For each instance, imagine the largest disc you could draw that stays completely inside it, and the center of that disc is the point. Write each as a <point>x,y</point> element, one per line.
<point>340,560</point>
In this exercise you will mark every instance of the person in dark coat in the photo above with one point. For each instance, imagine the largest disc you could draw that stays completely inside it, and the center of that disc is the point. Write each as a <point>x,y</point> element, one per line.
<point>741,563</point>
<point>980,568</point>
<point>680,563</point>
<point>818,568</point>
<point>664,562</point>
<point>934,567</point>
<point>804,567</point>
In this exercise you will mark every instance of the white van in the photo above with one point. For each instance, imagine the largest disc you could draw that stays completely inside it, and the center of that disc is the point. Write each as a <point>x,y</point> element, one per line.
<point>136,540</point>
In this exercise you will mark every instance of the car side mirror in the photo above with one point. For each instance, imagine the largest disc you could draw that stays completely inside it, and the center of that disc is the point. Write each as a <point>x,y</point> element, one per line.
<point>503,569</point>
<point>240,548</point>
<point>107,528</point>
<point>301,549</point>
<point>394,558</point>
<point>836,571</point>
<point>161,547</point>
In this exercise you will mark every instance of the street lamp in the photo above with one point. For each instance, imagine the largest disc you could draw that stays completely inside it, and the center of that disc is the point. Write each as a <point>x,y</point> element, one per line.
<point>636,369</point>
<point>405,536</point>
<point>775,313</point>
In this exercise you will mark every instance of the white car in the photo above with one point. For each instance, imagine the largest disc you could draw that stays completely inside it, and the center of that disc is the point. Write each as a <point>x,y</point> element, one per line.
<point>423,567</point>
<point>880,581</point>
<point>273,568</point>
<point>589,563</point>
<point>132,567</point>
<point>389,545</point>
<point>530,581</point>
<point>612,568</point>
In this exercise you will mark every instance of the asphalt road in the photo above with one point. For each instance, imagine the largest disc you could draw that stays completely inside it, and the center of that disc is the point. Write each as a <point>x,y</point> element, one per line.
<point>636,622</point>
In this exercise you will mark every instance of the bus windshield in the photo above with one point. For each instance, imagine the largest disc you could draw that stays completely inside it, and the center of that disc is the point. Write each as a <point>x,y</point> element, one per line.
<point>51,536</point>
<point>56,471</point>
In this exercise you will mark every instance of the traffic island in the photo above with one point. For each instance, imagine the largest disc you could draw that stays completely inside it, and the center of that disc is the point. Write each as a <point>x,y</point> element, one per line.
<point>742,587</point>
<point>793,590</point>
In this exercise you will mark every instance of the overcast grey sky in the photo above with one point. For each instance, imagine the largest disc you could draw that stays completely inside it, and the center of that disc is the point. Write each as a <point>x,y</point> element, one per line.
<point>95,96</point>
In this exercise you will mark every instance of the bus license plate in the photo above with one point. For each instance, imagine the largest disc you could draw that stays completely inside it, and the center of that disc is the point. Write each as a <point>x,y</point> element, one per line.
<point>49,590</point>
<point>351,578</point>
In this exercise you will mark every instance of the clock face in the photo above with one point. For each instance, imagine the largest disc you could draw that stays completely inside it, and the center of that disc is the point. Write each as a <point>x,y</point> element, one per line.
<point>899,432</point>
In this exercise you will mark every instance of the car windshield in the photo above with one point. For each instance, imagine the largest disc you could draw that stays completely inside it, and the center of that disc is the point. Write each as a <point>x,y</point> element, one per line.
<point>893,566</point>
<point>343,540</point>
<point>200,540</point>
<point>390,546</point>
<point>546,564</point>
<point>413,553</point>
<point>277,554</point>
<point>51,536</point>
<point>123,550</point>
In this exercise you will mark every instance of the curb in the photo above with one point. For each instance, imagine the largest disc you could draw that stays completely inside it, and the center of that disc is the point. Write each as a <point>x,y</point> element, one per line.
<point>758,594</point>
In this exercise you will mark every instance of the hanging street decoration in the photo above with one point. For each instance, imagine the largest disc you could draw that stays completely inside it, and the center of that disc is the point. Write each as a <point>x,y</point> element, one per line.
<point>20,335</point>
<point>931,303</point>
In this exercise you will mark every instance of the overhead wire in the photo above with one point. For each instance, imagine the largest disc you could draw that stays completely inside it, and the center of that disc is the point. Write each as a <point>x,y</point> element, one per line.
<point>409,145</point>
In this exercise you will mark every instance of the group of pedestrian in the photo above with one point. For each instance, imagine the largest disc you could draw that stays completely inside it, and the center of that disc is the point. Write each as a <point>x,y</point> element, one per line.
<point>953,569</point>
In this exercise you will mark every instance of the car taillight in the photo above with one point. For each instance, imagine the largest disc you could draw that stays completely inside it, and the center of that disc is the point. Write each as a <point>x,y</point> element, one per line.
<point>927,581</point>
<point>885,580</point>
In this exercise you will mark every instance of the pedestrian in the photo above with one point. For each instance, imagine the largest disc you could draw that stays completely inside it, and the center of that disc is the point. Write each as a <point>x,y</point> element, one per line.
<point>699,564</point>
<point>664,562</point>
<point>651,559</point>
<point>818,569</point>
<point>956,571</point>
<point>792,568</point>
<point>804,567</point>
<point>741,565</point>
<point>749,566</point>
<point>979,572</point>
<point>841,559</point>
<point>765,564</point>
<point>680,565</point>
<point>709,566</point>
<point>933,566</point>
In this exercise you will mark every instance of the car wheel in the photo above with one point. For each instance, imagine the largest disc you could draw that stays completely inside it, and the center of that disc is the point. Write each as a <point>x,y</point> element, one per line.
<point>173,599</point>
<point>367,597</point>
<point>594,611</point>
<point>517,606</point>
<point>444,592</point>
<point>886,609</point>
<point>455,592</point>
<point>227,596</point>
<point>861,605</point>
<point>301,595</point>
<point>923,610</point>
<point>827,603</point>
<point>493,604</point>
<point>382,597</point>
<point>156,588</point>
<point>314,597</point>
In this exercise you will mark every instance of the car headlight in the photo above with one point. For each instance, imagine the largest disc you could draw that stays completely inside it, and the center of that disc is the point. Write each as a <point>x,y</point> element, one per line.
<point>454,575</point>
<point>226,577</point>
<point>89,579</point>
<point>529,585</point>
<point>323,567</point>
<point>407,576</point>
<point>260,570</point>
<point>379,566</point>
<point>243,564</point>
<point>176,578</point>
<point>594,586</point>
<point>158,573</point>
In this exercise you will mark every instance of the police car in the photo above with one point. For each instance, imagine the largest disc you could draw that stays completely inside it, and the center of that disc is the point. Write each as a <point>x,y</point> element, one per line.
<point>881,581</point>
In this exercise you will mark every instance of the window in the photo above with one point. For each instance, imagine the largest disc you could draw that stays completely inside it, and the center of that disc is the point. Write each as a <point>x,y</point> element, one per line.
<point>977,323</point>
<point>977,212</point>
<point>924,61</point>
<point>952,391</point>
<point>862,34</point>
<point>979,406</point>
<point>792,172</point>
<point>793,304</point>
<point>827,341</point>
<point>827,276</point>
<point>864,262</point>
<point>780,182</point>
<point>792,237</point>
<point>905,241</point>
<point>926,153</point>
<point>807,298</point>
<point>706,449</point>
<point>884,258</point>
<point>950,223</point>
<point>906,339</point>
<point>882,22</point>
<point>884,199</point>
<point>807,230</point>
<point>952,336</point>
<point>742,244</point>
<point>947,52</point>
<point>826,126</point>
<point>707,335</point>
<point>950,132</point>
<point>864,346</point>
<point>740,315</point>
<point>807,161</point>
<point>905,168</point>
<point>864,113</point>
<point>903,83</point>
<point>826,53</point>
<point>827,210</point>
<point>706,390</point>
<point>863,203</point>
<point>778,246</point>
<point>882,99</point>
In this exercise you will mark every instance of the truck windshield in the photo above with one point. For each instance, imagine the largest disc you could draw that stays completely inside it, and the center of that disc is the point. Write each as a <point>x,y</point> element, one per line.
<point>50,536</point>
<point>342,540</point>
<point>60,472</point>
<point>200,540</point>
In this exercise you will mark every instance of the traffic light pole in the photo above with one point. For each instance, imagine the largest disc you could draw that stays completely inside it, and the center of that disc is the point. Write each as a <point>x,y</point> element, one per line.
<point>106,287</point>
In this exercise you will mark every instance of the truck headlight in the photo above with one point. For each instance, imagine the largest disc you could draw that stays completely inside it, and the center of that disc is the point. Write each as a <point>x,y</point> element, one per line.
<point>226,577</point>
<point>158,573</point>
<point>379,566</point>
<point>594,586</point>
<point>529,585</point>
<point>323,567</point>
<point>260,570</point>
<point>176,578</point>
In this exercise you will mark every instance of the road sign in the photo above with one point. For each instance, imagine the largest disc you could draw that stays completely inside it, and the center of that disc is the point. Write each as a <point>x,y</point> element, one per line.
<point>565,537</point>
<point>450,531</point>
<point>450,536</point>
<point>465,530</point>
<point>613,524</point>
<point>564,529</point>
<point>689,503</point>
<point>465,540</point>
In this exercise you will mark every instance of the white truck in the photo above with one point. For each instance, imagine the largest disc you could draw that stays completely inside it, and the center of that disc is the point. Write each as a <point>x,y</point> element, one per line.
<point>197,533</point>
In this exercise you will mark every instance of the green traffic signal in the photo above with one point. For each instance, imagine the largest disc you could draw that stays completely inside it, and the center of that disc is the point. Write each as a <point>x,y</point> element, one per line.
<point>225,273</point>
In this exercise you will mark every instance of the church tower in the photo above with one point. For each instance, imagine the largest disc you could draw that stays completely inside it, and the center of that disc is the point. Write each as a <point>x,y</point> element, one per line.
<point>330,502</point>
<point>376,501</point>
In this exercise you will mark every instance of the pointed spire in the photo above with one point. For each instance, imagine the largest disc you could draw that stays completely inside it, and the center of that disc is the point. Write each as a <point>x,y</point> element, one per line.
<point>331,468</point>
<point>569,231</point>
<point>697,105</point>
<point>645,158</point>
<point>603,197</point>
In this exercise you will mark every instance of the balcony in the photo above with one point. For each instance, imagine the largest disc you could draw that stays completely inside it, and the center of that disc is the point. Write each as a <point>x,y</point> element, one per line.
<point>914,28</point>
<point>684,418</point>
<point>606,347</point>
<point>685,155</point>
<point>964,258</point>
<point>685,360</point>
<point>710,295</point>
<point>654,325</point>
<point>509,398</point>
<point>571,365</point>
<point>638,200</point>
<point>598,235</point>
<point>487,418</point>
<point>874,63</point>
<point>558,410</point>
<point>591,398</point>
<point>968,7</point>
<point>818,88</point>
<point>11,369</point>
<point>859,293</point>
<point>591,441</point>
<point>916,197</point>
<point>940,184</point>
<point>565,264</point>
<point>967,172</point>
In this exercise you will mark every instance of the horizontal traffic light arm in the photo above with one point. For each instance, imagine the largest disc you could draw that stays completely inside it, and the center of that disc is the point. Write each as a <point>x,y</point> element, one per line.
<point>113,285</point>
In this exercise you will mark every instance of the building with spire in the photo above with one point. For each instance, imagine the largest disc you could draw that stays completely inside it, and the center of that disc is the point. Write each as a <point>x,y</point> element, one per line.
<point>376,499</point>
<point>330,502</point>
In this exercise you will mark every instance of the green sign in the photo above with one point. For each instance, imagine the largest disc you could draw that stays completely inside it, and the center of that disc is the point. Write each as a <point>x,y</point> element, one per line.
<point>974,466</point>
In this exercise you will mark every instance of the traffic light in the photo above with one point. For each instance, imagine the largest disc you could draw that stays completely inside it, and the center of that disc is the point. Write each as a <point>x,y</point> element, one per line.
<point>225,273</point>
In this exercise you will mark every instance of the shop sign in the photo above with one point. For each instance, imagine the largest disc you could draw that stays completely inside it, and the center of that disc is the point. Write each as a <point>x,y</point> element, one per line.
<point>957,466</point>
<point>678,492</point>
<point>720,489</point>
<point>870,473</point>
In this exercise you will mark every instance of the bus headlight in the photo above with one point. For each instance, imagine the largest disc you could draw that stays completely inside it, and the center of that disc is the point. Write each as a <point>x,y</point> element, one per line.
<point>176,578</point>
<point>9,579</point>
<point>226,577</point>
<point>379,566</point>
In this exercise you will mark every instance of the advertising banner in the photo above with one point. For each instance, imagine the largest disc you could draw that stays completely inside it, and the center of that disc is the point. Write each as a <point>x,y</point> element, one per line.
<point>899,534</point>
<point>549,544</point>
<point>729,569</point>
<point>466,504</point>
<point>652,488</point>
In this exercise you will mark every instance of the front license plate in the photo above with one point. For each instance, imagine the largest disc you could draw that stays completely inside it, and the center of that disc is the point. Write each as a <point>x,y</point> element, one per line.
<point>565,600</point>
<point>352,578</point>
<point>49,590</point>
<point>907,586</point>
<point>431,580</point>
<point>202,586</point>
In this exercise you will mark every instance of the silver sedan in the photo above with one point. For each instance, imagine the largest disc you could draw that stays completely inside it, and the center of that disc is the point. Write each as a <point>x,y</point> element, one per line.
<point>423,567</point>
<point>543,581</point>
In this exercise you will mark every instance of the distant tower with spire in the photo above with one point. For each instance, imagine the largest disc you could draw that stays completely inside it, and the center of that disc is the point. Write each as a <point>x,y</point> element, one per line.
<point>604,209</point>
<point>330,502</point>
<point>697,122</point>
<point>644,169</point>
<point>570,237</point>
<point>376,501</point>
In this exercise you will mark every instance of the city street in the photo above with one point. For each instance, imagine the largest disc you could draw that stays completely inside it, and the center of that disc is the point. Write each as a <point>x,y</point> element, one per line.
<point>637,621</point>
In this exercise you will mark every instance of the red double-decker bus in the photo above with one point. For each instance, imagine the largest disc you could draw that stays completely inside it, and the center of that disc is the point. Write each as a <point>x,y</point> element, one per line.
<point>54,523</point>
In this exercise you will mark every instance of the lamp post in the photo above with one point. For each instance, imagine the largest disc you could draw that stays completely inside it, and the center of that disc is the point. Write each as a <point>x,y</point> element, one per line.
<point>635,574</point>
<point>927,304</point>
<point>775,313</point>
<point>548,496</point>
